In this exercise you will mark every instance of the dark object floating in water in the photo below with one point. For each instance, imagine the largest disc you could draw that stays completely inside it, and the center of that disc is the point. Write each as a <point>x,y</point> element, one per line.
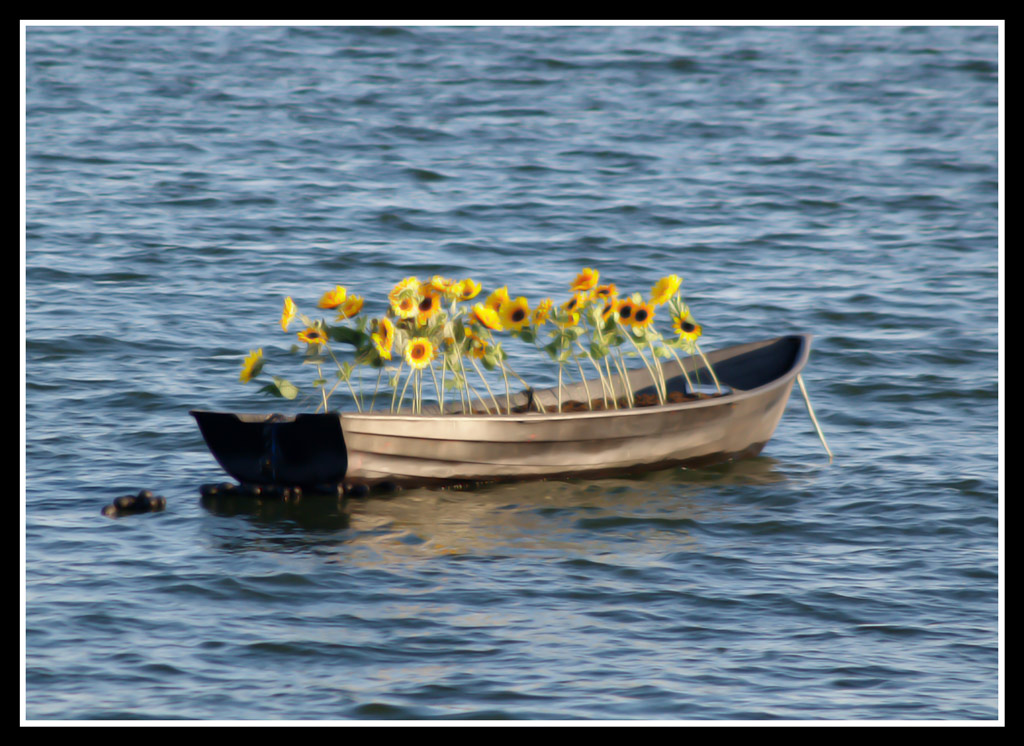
<point>430,449</point>
<point>144,502</point>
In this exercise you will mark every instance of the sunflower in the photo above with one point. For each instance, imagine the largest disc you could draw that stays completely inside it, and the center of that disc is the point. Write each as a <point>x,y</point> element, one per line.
<point>665,288</point>
<point>252,366</point>
<point>608,310</point>
<point>685,326</point>
<point>541,312</point>
<point>575,303</point>
<point>625,309</point>
<point>404,308</point>
<point>332,298</point>
<point>429,305</point>
<point>383,338</point>
<point>496,299</point>
<point>288,314</point>
<point>585,280</point>
<point>605,293</point>
<point>353,304</point>
<point>409,283</point>
<point>467,289</point>
<point>643,314</point>
<point>515,314</point>
<point>443,285</point>
<point>313,336</point>
<point>419,352</point>
<point>486,316</point>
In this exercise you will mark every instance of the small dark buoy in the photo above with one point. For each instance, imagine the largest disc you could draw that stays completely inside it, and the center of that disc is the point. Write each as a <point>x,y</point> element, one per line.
<point>144,502</point>
<point>386,487</point>
<point>125,502</point>
<point>357,490</point>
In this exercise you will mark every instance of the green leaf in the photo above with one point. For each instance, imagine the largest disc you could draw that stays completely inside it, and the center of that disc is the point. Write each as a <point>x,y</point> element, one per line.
<point>281,387</point>
<point>347,335</point>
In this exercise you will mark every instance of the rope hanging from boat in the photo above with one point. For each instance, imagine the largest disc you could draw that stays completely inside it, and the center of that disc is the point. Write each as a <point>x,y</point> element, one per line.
<point>810,411</point>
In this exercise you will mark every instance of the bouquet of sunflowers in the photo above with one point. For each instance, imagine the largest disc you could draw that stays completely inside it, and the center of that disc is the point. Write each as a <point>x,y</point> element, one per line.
<point>438,333</point>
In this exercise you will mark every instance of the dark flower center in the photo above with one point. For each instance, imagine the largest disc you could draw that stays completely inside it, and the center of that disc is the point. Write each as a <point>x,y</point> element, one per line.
<point>625,311</point>
<point>687,326</point>
<point>641,315</point>
<point>427,303</point>
<point>518,315</point>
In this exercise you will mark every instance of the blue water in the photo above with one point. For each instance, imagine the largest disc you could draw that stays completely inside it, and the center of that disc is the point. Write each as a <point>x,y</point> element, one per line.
<point>840,181</point>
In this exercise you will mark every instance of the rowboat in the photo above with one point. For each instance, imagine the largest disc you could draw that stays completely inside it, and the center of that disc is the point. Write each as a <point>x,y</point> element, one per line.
<point>432,448</point>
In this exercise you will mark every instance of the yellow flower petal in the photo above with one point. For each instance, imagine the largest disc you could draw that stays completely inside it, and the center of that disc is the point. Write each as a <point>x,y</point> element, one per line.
<point>665,288</point>
<point>541,313</point>
<point>252,366</point>
<point>486,316</point>
<point>497,298</point>
<point>288,315</point>
<point>332,298</point>
<point>586,280</point>
<point>353,305</point>
<point>468,289</point>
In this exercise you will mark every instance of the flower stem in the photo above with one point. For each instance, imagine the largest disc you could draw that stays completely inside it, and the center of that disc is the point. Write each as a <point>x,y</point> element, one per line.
<point>347,381</point>
<point>504,374</point>
<point>611,384</point>
<point>559,385</point>
<point>322,392</point>
<point>535,401</point>
<point>465,383</point>
<point>497,407</point>
<point>600,375</point>
<point>444,369</point>
<point>375,388</point>
<point>710,369</point>
<point>654,377</point>
<point>624,376</point>
<point>440,399</point>
<point>590,401</point>
<point>354,397</point>
<point>681,367</point>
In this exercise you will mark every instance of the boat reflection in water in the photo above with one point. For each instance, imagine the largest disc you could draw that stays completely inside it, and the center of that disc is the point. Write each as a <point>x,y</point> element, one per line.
<point>659,509</point>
